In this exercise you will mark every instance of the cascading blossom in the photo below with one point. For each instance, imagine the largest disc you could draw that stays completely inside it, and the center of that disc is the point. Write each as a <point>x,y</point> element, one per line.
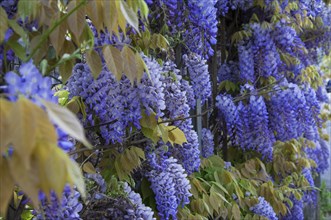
<point>203,27</point>
<point>141,211</point>
<point>67,207</point>
<point>177,106</point>
<point>263,208</point>
<point>296,212</point>
<point>207,143</point>
<point>252,129</point>
<point>170,186</point>
<point>197,70</point>
<point>115,101</point>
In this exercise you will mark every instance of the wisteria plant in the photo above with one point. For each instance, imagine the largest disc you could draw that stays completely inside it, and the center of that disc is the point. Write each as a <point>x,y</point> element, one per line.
<point>162,109</point>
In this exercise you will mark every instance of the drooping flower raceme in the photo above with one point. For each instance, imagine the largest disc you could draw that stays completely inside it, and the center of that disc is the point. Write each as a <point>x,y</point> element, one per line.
<point>199,76</point>
<point>296,212</point>
<point>228,71</point>
<point>253,127</point>
<point>263,208</point>
<point>141,211</point>
<point>171,188</point>
<point>30,83</point>
<point>202,31</point>
<point>207,143</point>
<point>228,110</point>
<point>67,207</point>
<point>246,62</point>
<point>177,107</point>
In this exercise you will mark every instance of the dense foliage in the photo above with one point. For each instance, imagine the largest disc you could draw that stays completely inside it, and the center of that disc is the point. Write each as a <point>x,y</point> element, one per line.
<point>163,109</point>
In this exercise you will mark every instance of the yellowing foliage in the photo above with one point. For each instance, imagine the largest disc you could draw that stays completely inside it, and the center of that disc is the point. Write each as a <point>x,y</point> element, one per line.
<point>30,157</point>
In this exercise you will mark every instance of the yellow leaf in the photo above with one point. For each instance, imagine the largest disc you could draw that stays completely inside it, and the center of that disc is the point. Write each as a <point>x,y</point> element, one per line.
<point>75,176</point>
<point>6,125</point>
<point>94,11</point>
<point>66,70</point>
<point>138,151</point>
<point>57,37</point>
<point>130,16</point>
<point>110,16</point>
<point>51,161</point>
<point>236,211</point>
<point>141,66</point>
<point>151,134</point>
<point>67,121</point>
<point>114,61</point>
<point>148,121</point>
<point>129,59</point>
<point>28,179</point>
<point>6,186</point>
<point>176,135</point>
<point>89,168</point>
<point>76,21</point>
<point>27,8</point>
<point>3,24</point>
<point>35,143</point>
<point>94,61</point>
<point>24,116</point>
<point>164,133</point>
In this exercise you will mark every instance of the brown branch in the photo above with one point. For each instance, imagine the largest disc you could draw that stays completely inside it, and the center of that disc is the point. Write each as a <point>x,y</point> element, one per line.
<point>188,117</point>
<point>101,124</point>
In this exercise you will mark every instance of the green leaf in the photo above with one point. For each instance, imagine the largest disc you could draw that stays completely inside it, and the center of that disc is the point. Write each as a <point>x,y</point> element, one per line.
<point>220,187</point>
<point>138,151</point>
<point>130,16</point>
<point>164,133</point>
<point>94,61</point>
<point>146,189</point>
<point>27,215</point>
<point>17,48</point>
<point>18,29</point>
<point>207,204</point>
<point>63,96</point>
<point>159,41</point>
<point>67,121</point>
<point>114,61</point>
<point>144,9</point>
<point>215,201</point>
